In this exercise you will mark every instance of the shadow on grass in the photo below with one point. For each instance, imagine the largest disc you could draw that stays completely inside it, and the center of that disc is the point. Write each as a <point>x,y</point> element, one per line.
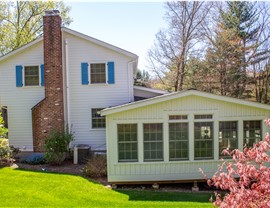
<point>146,195</point>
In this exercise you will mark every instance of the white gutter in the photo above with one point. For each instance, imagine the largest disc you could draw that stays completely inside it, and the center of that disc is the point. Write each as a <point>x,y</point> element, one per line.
<point>67,84</point>
<point>130,85</point>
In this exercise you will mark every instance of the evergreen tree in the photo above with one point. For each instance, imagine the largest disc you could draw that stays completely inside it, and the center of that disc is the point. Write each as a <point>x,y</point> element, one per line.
<point>234,47</point>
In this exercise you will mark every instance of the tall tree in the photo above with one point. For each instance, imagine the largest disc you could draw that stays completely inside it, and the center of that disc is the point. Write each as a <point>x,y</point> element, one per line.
<point>21,21</point>
<point>237,43</point>
<point>174,45</point>
<point>223,58</point>
<point>261,67</point>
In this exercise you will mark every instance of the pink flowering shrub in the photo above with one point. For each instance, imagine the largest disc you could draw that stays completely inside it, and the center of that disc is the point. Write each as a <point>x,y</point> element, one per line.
<point>247,177</point>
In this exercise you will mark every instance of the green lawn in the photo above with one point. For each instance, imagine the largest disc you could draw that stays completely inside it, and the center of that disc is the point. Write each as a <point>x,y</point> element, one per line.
<point>20,188</point>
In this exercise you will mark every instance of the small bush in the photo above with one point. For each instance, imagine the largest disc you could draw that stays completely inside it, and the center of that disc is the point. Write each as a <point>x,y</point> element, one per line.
<point>3,130</point>
<point>96,167</point>
<point>5,152</point>
<point>34,159</point>
<point>56,146</point>
<point>15,151</point>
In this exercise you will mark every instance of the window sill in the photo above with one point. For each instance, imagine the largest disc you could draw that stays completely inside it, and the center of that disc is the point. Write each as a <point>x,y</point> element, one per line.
<point>98,84</point>
<point>29,87</point>
<point>97,129</point>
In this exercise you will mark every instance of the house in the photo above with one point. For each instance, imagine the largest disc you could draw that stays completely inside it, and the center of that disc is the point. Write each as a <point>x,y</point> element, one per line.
<point>169,137</point>
<point>64,78</point>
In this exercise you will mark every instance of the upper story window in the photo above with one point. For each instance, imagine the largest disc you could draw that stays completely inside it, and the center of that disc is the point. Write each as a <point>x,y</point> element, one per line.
<point>98,121</point>
<point>98,73</point>
<point>31,75</point>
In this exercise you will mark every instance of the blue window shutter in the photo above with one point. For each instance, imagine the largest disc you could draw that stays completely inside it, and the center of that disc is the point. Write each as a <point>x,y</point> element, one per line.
<point>110,72</point>
<point>19,76</point>
<point>42,74</point>
<point>84,68</point>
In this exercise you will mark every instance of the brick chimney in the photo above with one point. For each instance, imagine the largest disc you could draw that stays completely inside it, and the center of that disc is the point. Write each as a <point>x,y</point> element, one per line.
<point>48,114</point>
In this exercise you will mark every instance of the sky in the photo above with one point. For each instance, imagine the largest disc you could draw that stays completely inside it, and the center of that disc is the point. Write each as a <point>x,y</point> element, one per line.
<point>129,25</point>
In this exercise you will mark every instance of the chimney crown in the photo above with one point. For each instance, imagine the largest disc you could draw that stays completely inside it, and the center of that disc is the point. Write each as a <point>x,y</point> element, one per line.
<point>52,13</point>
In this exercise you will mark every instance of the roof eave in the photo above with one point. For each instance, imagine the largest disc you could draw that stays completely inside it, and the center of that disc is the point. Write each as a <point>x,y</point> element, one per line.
<point>181,94</point>
<point>99,42</point>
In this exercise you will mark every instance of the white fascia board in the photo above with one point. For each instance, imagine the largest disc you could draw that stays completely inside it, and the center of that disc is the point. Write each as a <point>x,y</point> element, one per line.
<point>99,42</point>
<point>150,90</point>
<point>181,94</point>
<point>21,49</point>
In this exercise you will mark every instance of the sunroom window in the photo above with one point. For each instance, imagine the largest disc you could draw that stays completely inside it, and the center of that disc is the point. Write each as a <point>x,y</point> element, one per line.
<point>204,143</point>
<point>153,142</point>
<point>227,136</point>
<point>127,142</point>
<point>178,141</point>
<point>252,132</point>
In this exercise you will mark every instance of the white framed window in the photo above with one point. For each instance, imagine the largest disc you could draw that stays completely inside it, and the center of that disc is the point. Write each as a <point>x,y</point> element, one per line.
<point>178,117</point>
<point>203,140</point>
<point>227,137</point>
<point>252,132</point>
<point>178,141</point>
<point>153,142</point>
<point>98,121</point>
<point>127,142</point>
<point>31,76</point>
<point>98,73</point>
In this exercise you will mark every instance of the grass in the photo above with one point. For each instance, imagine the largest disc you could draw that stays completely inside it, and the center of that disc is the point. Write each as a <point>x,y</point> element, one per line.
<point>20,188</point>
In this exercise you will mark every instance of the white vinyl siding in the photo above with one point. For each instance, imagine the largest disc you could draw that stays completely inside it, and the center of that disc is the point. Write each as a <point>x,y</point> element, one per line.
<point>20,100</point>
<point>83,98</point>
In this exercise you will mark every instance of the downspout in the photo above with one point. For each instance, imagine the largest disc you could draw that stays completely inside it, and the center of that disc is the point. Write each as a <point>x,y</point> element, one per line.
<point>67,84</point>
<point>130,84</point>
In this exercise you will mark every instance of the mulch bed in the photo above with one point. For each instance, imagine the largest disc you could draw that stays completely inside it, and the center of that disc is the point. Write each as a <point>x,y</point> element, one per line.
<point>66,168</point>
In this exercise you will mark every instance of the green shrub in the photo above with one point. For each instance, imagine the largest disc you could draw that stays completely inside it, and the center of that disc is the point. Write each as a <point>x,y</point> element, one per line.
<point>3,130</point>
<point>96,167</point>
<point>56,146</point>
<point>5,152</point>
